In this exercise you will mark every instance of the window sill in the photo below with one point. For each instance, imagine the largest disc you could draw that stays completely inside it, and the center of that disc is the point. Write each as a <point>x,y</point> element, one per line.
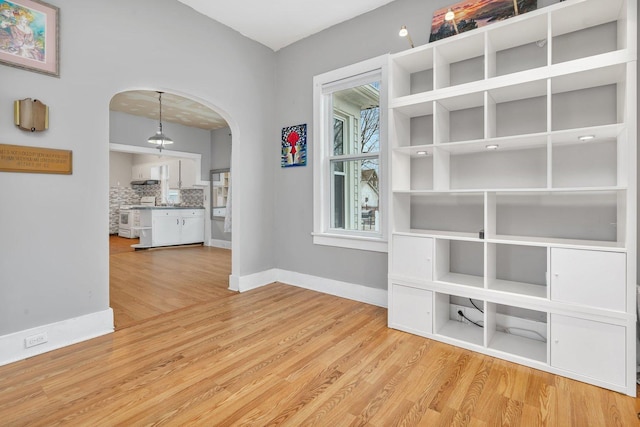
<point>373,244</point>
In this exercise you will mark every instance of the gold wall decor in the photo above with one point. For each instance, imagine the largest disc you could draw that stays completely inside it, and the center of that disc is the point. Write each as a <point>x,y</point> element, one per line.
<point>17,158</point>
<point>31,115</point>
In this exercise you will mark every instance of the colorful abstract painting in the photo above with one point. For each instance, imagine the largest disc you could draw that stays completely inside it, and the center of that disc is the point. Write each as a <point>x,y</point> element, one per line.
<point>294,146</point>
<point>29,35</point>
<point>468,15</point>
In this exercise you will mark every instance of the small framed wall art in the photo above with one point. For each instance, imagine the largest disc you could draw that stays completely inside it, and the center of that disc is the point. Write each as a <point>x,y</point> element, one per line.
<point>29,36</point>
<point>294,146</point>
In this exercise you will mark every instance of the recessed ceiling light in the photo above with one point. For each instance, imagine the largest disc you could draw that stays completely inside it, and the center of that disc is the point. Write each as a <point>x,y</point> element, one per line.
<point>491,146</point>
<point>422,153</point>
<point>584,138</point>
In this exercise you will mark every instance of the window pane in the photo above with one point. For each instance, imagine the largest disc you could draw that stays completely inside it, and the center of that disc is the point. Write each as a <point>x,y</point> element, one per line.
<point>357,120</point>
<point>338,137</point>
<point>355,195</point>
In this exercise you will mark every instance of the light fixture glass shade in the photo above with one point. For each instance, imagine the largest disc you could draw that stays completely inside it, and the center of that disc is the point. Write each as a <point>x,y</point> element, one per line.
<point>159,138</point>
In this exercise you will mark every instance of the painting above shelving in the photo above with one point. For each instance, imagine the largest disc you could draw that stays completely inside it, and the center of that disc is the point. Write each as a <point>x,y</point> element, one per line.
<point>468,15</point>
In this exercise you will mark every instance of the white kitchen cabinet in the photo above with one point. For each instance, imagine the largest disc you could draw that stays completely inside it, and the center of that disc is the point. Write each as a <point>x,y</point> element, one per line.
<point>593,349</point>
<point>168,227</point>
<point>513,185</point>
<point>192,230</point>
<point>145,171</point>
<point>591,278</point>
<point>182,173</point>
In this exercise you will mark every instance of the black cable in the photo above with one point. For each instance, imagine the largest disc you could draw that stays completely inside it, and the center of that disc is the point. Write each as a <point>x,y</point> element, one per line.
<point>473,304</point>
<point>460,313</point>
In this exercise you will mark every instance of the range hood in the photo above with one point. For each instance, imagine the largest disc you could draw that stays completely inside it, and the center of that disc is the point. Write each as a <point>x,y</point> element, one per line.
<point>145,182</point>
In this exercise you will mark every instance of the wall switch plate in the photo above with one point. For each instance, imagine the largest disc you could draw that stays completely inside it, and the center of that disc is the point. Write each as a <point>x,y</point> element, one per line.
<point>37,339</point>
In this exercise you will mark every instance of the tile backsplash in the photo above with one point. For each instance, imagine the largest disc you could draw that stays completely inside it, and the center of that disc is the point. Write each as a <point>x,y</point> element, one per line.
<point>131,196</point>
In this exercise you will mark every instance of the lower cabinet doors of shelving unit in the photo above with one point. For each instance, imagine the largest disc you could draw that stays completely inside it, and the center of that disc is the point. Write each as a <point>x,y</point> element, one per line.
<point>584,349</point>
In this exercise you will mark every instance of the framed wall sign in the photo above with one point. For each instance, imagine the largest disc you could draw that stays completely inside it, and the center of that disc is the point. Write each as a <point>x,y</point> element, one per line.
<point>29,36</point>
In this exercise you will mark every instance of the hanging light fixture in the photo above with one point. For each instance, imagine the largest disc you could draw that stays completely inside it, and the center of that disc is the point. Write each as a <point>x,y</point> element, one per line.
<point>159,138</point>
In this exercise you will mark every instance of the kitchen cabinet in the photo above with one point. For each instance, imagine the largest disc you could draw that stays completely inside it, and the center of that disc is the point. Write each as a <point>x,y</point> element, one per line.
<point>145,171</point>
<point>182,173</point>
<point>171,226</point>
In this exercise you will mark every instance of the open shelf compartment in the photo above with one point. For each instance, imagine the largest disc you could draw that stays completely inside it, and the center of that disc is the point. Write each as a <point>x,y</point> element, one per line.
<point>459,262</point>
<point>517,331</point>
<point>449,323</point>
<point>517,269</point>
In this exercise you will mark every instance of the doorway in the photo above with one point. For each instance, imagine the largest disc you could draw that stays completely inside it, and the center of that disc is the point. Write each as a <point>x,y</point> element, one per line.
<point>149,283</point>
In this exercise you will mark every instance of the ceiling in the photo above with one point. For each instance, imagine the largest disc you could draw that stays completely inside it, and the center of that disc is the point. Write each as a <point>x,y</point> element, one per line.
<point>175,109</point>
<point>278,23</point>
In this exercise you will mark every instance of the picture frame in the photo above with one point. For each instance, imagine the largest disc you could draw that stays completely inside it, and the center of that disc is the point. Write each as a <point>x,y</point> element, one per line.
<point>293,146</point>
<point>30,36</point>
<point>468,15</point>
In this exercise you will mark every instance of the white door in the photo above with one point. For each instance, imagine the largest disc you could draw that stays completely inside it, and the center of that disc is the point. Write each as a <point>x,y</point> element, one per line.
<point>410,309</point>
<point>166,228</point>
<point>192,229</point>
<point>592,278</point>
<point>412,257</point>
<point>593,349</point>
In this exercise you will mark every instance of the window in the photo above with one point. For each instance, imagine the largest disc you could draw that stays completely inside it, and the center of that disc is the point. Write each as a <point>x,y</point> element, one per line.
<point>349,157</point>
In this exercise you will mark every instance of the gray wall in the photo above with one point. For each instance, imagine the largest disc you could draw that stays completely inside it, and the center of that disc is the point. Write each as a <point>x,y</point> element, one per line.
<point>363,37</point>
<point>134,130</point>
<point>54,248</point>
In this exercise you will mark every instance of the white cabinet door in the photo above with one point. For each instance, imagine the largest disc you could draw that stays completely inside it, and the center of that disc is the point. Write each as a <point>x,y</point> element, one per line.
<point>192,223</point>
<point>410,309</point>
<point>412,257</point>
<point>188,175</point>
<point>593,349</point>
<point>592,278</point>
<point>166,228</point>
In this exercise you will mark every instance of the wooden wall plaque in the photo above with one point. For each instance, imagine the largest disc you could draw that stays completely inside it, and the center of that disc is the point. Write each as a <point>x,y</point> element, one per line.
<point>17,158</point>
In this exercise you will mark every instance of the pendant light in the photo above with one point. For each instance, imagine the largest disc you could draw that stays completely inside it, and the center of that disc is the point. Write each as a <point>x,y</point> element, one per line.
<point>159,138</point>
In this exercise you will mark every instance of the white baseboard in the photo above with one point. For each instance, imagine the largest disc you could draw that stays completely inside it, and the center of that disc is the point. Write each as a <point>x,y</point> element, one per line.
<point>347,290</point>
<point>59,334</point>
<point>253,281</point>
<point>352,291</point>
<point>217,243</point>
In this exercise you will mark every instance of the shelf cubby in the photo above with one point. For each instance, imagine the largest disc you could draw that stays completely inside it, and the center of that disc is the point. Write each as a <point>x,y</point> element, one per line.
<point>517,110</point>
<point>585,164</point>
<point>448,213</point>
<point>449,324</point>
<point>499,169</point>
<point>521,45</point>
<point>459,61</point>
<point>517,269</point>
<point>516,331</point>
<point>459,262</point>
<point>581,218</point>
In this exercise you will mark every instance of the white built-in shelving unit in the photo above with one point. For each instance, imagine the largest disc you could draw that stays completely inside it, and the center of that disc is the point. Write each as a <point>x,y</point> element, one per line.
<point>533,241</point>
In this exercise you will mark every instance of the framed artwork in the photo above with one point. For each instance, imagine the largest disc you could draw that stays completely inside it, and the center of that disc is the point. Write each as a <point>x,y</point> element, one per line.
<point>29,36</point>
<point>470,14</point>
<point>294,146</point>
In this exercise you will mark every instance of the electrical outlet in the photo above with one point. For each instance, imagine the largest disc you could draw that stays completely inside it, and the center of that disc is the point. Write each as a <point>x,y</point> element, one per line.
<point>37,339</point>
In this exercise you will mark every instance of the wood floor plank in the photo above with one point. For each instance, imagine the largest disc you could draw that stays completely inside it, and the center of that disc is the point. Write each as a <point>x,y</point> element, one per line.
<point>187,351</point>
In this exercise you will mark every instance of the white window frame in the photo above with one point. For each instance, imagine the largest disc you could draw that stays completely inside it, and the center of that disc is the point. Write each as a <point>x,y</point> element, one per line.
<point>323,87</point>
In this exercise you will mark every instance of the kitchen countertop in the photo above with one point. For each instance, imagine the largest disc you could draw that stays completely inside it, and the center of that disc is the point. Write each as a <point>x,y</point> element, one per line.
<point>168,207</point>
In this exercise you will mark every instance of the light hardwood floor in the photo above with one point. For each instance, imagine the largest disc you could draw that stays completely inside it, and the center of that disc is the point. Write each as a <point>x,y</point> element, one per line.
<point>279,355</point>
